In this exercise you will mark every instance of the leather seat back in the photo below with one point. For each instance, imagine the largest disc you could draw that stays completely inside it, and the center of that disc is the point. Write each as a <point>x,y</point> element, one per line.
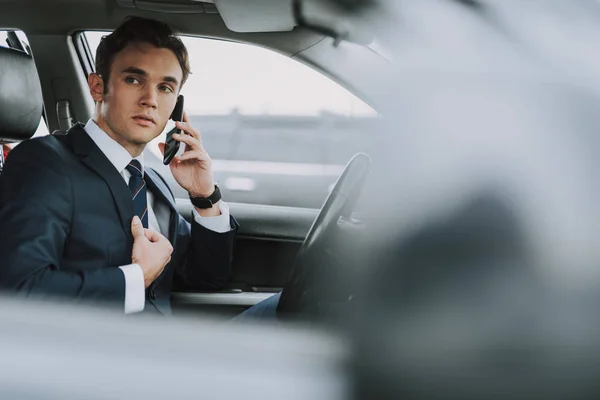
<point>21,102</point>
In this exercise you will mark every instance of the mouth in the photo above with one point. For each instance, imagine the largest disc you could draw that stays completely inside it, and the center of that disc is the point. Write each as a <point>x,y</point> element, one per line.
<point>144,120</point>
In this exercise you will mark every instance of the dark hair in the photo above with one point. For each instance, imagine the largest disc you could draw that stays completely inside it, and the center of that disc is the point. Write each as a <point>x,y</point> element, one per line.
<point>138,30</point>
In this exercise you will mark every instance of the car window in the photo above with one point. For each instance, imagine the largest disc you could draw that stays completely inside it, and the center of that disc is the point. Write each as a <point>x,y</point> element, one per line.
<point>42,129</point>
<point>278,132</point>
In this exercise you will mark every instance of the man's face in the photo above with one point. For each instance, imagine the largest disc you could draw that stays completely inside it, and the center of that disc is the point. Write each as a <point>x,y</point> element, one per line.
<point>141,94</point>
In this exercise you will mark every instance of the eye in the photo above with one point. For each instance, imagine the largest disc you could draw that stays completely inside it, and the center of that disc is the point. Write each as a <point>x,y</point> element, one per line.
<point>132,80</point>
<point>166,88</point>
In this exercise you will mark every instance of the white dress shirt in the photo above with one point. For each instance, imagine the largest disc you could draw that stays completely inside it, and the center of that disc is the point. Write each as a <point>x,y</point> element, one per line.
<point>135,298</point>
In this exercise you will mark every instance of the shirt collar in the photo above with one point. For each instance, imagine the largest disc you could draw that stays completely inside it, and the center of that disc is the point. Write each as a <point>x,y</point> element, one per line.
<point>116,154</point>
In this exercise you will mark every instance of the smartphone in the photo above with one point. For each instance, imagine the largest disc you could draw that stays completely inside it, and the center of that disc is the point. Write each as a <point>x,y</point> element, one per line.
<point>172,145</point>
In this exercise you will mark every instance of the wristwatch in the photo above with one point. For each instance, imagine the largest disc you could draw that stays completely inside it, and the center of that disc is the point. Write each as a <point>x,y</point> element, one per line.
<point>207,202</point>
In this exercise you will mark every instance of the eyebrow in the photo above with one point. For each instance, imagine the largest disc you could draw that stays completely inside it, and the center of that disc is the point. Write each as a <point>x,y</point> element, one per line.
<point>141,72</point>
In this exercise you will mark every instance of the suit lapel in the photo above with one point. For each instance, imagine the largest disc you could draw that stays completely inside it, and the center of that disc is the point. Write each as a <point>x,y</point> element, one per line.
<point>159,188</point>
<point>94,159</point>
<point>163,195</point>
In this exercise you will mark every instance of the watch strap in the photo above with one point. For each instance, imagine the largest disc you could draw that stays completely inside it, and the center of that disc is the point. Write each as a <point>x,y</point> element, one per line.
<point>207,202</point>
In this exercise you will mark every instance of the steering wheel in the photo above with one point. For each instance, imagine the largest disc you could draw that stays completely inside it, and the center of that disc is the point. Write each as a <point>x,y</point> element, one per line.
<point>300,294</point>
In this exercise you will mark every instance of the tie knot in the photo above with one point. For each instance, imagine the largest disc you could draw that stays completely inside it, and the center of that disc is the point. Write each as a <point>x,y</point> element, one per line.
<point>135,168</point>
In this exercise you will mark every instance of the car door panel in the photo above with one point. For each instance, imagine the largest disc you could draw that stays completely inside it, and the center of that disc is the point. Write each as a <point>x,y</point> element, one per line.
<point>266,245</point>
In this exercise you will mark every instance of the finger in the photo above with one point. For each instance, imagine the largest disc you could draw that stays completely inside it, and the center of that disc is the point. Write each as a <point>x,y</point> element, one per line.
<point>191,143</point>
<point>159,238</point>
<point>137,230</point>
<point>189,129</point>
<point>197,155</point>
<point>152,236</point>
<point>161,147</point>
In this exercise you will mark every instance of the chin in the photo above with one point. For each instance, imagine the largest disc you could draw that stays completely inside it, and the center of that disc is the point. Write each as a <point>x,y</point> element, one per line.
<point>141,135</point>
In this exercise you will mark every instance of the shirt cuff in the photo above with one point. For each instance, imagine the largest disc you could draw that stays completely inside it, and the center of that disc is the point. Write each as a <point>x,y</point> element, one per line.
<point>220,223</point>
<point>135,291</point>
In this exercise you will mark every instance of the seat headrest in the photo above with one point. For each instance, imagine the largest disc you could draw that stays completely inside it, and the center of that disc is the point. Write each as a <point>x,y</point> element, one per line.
<point>21,102</point>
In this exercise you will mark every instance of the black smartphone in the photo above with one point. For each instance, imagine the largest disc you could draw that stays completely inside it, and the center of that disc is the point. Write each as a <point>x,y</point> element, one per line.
<point>172,145</point>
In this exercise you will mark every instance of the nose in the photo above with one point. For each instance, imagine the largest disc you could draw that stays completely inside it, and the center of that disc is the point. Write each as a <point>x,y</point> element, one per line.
<point>148,98</point>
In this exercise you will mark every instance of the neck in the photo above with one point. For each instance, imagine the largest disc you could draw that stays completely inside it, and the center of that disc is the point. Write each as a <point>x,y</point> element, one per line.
<point>134,149</point>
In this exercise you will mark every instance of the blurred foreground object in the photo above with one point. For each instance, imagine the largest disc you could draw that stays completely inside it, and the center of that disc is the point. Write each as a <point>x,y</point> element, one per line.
<point>480,274</point>
<point>55,351</point>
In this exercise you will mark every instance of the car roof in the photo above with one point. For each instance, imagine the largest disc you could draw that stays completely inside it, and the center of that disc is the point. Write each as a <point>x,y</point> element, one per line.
<point>63,17</point>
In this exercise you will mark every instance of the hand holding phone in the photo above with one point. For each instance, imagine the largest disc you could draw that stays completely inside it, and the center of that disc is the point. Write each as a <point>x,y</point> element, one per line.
<point>172,145</point>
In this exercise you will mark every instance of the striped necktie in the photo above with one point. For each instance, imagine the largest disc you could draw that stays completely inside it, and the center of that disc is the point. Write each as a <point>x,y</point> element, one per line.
<point>137,185</point>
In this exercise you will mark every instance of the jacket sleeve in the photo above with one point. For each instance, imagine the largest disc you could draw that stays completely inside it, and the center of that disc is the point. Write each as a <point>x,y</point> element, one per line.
<point>207,255</point>
<point>36,211</point>
<point>208,260</point>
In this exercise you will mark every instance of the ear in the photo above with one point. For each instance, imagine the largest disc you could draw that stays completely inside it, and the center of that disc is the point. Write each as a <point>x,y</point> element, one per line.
<point>96,85</point>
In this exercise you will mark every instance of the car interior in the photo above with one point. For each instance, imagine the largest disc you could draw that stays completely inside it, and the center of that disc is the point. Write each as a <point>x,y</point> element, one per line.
<point>46,77</point>
<point>479,275</point>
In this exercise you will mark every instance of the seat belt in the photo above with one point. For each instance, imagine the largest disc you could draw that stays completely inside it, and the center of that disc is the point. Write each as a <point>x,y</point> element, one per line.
<point>65,121</point>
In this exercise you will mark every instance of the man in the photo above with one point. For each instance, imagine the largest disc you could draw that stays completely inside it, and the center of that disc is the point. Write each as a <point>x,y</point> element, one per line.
<point>87,221</point>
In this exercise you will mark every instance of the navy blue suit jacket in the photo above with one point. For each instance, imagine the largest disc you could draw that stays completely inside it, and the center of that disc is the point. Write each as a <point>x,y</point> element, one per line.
<point>65,228</point>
